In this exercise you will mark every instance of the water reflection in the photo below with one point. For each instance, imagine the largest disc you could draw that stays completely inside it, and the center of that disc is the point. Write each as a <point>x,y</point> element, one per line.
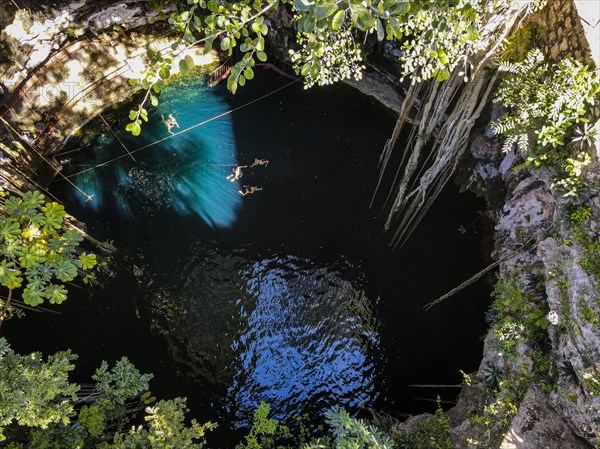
<point>185,173</point>
<point>271,327</point>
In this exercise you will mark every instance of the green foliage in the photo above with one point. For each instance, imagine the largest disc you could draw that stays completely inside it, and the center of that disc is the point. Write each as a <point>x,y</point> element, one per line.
<point>351,432</point>
<point>497,415</point>
<point>34,392</point>
<point>435,37</point>
<point>591,248</point>
<point>37,251</point>
<point>334,57</point>
<point>238,24</point>
<point>121,382</point>
<point>491,374</point>
<point>517,317</point>
<point>165,429</point>
<point>345,433</point>
<point>591,379</point>
<point>519,44</point>
<point>58,436</point>
<point>37,394</point>
<point>433,432</point>
<point>93,419</point>
<point>580,215</point>
<point>588,311</point>
<point>152,79</point>
<point>265,432</point>
<point>546,103</point>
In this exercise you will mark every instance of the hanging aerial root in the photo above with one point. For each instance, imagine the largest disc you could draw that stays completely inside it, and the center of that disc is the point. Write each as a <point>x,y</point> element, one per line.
<point>447,113</point>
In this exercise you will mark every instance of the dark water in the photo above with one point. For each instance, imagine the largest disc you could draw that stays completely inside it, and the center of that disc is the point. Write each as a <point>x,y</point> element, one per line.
<point>289,295</point>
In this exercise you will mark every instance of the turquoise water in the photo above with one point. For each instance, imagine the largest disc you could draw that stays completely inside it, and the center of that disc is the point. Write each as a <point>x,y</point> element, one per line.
<point>185,172</point>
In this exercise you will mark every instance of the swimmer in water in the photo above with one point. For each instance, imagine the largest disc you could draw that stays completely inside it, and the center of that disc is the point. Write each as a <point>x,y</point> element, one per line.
<point>258,162</point>
<point>170,123</point>
<point>236,173</point>
<point>248,190</point>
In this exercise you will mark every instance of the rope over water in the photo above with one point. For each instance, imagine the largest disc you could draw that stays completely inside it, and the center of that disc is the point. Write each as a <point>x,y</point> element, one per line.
<point>88,197</point>
<point>183,131</point>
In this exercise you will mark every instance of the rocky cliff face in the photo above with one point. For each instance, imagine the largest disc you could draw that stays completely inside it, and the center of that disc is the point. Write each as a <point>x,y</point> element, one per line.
<point>534,237</point>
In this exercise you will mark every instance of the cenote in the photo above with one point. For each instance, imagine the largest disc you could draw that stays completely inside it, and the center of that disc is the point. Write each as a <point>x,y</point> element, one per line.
<point>290,295</point>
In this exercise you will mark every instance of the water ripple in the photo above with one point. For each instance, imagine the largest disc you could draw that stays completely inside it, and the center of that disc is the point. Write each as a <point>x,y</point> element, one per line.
<point>276,328</point>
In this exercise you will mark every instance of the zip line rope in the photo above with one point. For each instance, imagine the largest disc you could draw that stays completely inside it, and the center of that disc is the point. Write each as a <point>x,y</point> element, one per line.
<point>117,137</point>
<point>88,197</point>
<point>179,132</point>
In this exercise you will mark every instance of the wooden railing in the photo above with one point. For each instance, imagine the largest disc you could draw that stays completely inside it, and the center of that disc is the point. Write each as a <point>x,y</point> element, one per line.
<point>219,73</point>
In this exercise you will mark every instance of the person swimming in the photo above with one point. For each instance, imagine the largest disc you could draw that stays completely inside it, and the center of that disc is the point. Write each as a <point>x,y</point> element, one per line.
<point>236,173</point>
<point>258,162</point>
<point>170,123</point>
<point>248,190</point>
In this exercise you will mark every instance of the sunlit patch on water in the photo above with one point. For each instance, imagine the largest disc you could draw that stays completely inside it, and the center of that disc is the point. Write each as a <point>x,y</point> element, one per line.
<point>186,173</point>
<point>274,328</point>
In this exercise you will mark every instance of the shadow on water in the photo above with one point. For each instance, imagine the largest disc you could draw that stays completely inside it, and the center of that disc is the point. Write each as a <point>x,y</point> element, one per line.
<point>184,173</point>
<point>289,295</point>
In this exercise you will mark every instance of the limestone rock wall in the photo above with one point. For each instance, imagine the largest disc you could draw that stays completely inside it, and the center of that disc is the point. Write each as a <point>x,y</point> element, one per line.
<point>563,35</point>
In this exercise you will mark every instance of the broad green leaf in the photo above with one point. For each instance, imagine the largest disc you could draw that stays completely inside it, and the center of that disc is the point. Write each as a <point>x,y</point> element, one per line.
<point>400,8</point>
<point>443,74</point>
<point>338,19</point>
<point>33,199</point>
<point>305,69</point>
<point>135,128</point>
<point>36,285</point>
<point>306,24</point>
<point>54,215</point>
<point>32,297</point>
<point>303,5</point>
<point>13,206</point>
<point>364,20</point>
<point>9,276</point>
<point>260,44</point>
<point>65,270</point>
<point>324,10</point>
<point>472,33</point>
<point>87,260</point>
<point>261,55</point>
<point>190,61</point>
<point>42,274</point>
<point>225,43</point>
<point>72,237</point>
<point>9,229</point>
<point>380,31</point>
<point>248,73</point>
<point>183,67</point>
<point>11,248</point>
<point>164,73</point>
<point>32,256</point>
<point>56,294</point>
